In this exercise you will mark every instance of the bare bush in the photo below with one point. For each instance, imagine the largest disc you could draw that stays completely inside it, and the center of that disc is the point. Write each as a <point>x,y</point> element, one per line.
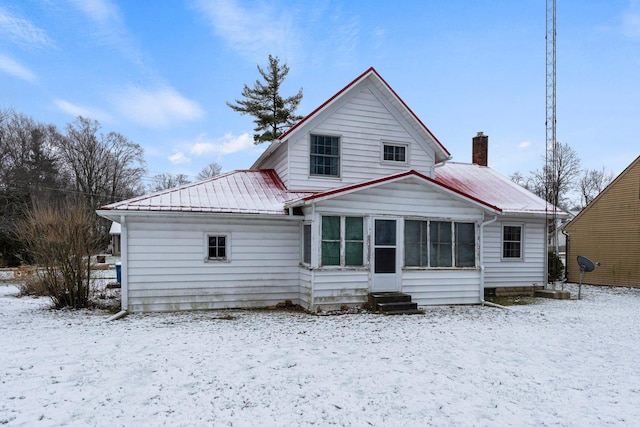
<point>61,240</point>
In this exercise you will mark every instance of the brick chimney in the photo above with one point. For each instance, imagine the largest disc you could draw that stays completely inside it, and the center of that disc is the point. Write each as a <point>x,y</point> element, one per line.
<point>480,149</point>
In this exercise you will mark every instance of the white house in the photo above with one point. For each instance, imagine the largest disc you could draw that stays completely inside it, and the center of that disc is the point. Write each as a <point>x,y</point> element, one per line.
<point>358,197</point>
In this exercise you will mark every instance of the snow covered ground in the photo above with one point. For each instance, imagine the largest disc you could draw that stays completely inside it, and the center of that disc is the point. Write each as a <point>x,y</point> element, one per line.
<point>551,363</point>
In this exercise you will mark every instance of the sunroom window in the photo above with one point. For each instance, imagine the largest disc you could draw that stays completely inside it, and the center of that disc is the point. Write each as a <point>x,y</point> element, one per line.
<point>342,241</point>
<point>439,244</point>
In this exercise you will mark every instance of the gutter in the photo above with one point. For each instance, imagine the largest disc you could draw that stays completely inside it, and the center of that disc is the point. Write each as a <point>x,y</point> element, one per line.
<point>482,300</point>
<point>118,315</point>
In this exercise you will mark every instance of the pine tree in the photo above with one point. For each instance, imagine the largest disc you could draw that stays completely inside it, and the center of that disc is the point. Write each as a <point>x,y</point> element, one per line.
<point>272,113</point>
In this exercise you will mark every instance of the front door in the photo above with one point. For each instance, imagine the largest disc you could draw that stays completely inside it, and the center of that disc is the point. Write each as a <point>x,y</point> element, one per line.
<point>384,256</point>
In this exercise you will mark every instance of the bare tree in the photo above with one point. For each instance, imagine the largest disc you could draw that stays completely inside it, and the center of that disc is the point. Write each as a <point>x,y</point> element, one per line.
<point>592,182</point>
<point>29,170</point>
<point>165,181</point>
<point>104,168</point>
<point>209,171</point>
<point>553,183</point>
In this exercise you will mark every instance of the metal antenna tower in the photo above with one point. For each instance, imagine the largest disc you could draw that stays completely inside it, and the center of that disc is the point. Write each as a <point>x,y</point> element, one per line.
<point>551,152</point>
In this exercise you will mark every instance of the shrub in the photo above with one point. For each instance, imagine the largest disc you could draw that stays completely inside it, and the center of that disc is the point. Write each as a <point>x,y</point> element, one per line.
<point>61,239</point>
<point>555,266</point>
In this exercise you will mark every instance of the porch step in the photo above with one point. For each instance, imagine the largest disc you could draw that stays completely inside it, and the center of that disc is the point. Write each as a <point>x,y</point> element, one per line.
<point>393,303</point>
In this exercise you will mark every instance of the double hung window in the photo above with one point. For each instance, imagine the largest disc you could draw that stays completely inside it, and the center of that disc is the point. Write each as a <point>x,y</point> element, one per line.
<point>512,241</point>
<point>325,155</point>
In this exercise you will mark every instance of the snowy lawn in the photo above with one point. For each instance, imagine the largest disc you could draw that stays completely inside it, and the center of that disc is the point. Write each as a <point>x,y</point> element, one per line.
<point>561,363</point>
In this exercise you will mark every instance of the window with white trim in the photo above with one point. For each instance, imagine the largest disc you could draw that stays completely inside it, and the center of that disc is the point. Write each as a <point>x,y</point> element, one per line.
<point>396,153</point>
<point>512,235</point>
<point>342,241</point>
<point>217,246</point>
<point>325,155</point>
<point>439,244</point>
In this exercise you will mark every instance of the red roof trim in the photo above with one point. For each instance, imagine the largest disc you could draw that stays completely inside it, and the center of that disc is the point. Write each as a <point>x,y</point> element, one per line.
<point>371,70</point>
<point>394,177</point>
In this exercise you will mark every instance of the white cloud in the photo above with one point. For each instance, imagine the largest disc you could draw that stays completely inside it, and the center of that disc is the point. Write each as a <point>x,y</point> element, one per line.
<point>76,110</point>
<point>102,12</point>
<point>109,29</point>
<point>226,145</point>
<point>251,31</point>
<point>21,31</point>
<point>157,108</point>
<point>16,69</point>
<point>524,144</point>
<point>179,158</point>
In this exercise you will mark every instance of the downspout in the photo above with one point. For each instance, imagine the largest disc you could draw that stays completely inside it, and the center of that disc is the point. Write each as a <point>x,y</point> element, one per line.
<point>124,287</point>
<point>566,257</point>
<point>314,256</point>
<point>482,300</point>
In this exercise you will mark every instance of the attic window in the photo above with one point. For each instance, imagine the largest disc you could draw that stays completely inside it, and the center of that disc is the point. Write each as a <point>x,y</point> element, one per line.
<point>396,153</point>
<point>325,155</point>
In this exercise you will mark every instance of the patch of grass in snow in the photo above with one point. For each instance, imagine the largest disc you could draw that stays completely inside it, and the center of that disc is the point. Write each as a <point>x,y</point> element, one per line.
<point>511,300</point>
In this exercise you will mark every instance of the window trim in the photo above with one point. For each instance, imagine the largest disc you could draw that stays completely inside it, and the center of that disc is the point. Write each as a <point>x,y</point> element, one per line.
<point>522,241</point>
<point>339,156</point>
<point>394,144</point>
<point>227,258</point>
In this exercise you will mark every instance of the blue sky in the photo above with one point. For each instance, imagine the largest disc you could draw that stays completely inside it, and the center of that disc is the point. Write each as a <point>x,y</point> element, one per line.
<point>160,72</point>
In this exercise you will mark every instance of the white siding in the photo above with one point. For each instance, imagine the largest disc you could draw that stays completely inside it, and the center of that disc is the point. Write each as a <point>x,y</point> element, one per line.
<point>278,161</point>
<point>336,287</point>
<point>167,271</point>
<point>442,286</point>
<point>362,122</point>
<point>527,271</point>
<point>409,197</point>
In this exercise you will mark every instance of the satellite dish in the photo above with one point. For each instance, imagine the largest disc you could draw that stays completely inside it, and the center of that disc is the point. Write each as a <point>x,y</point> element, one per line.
<point>586,264</point>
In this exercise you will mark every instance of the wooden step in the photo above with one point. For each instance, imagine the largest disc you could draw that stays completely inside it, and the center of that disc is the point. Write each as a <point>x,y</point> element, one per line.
<point>393,303</point>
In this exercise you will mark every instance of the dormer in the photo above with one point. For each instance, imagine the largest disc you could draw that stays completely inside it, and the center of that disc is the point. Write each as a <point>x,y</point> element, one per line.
<point>363,132</point>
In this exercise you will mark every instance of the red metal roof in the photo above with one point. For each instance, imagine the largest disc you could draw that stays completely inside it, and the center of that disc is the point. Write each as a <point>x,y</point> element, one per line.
<point>483,183</point>
<point>260,191</point>
<point>242,192</point>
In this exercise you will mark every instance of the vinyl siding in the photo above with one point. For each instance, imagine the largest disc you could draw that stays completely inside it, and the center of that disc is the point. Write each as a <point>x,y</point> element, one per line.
<point>167,271</point>
<point>408,198</point>
<point>362,122</point>
<point>608,231</point>
<point>527,271</point>
<point>279,162</point>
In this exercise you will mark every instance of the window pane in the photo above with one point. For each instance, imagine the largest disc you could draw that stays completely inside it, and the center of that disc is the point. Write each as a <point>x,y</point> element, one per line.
<point>306,243</point>
<point>465,245</point>
<point>441,244</point>
<point>415,243</point>
<point>353,253</point>
<point>385,260</point>
<point>330,253</point>
<point>330,228</point>
<point>385,232</point>
<point>353,228</point>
